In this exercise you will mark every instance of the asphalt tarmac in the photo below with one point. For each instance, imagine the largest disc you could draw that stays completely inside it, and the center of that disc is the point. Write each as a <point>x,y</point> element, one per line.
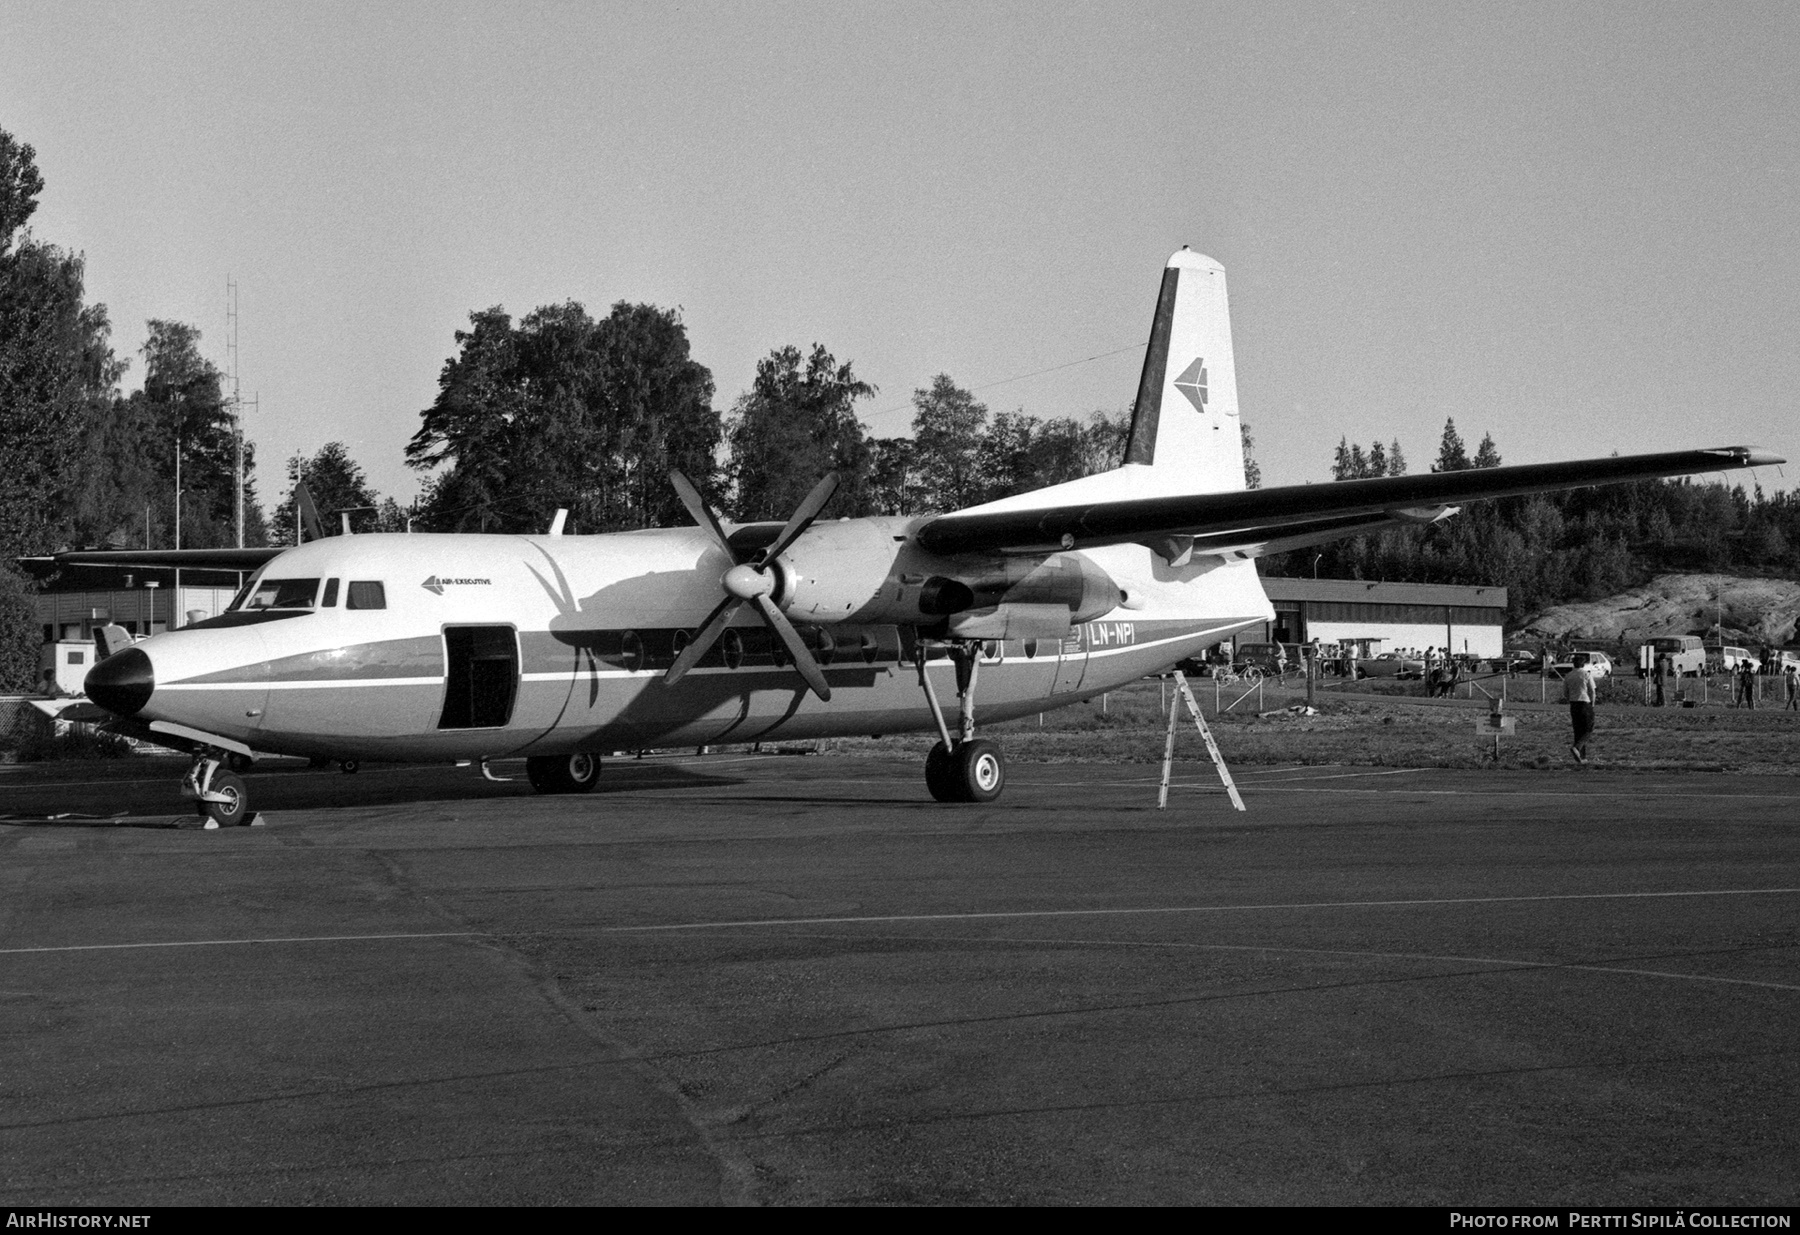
<point>798,980</point>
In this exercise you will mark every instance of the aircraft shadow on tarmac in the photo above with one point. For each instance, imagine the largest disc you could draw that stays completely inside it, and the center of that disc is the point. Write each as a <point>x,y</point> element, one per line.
<point>154,803</point>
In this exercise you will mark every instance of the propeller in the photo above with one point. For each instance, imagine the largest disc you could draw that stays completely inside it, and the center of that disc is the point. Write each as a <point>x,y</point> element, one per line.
<point>752,581</point>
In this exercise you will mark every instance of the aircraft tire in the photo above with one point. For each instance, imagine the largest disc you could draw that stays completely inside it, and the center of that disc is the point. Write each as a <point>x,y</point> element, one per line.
<point>231,813</point>
<point>940,775</point>
<point>980,771</point>
<point>575,773</point>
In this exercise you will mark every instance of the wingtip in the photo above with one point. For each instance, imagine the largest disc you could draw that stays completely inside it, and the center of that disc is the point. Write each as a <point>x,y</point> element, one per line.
<point>1748,456</point>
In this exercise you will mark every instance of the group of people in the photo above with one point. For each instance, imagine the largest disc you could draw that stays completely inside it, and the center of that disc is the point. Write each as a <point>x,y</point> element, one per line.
<point>1744,686</point>
<point>1579,684</point>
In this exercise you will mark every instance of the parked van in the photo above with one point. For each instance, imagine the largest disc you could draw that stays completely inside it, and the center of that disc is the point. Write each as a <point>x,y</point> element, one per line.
<point>1686,653</point>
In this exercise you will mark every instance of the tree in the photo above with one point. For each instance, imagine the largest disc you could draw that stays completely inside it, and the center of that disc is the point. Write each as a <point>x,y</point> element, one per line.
<point>1452,457</point>
<point>794,425</point>
<point>19,634</point>
<point>1396,459</point>
<point>948,429</point>
<point>565,411</point>
<point>1486,454</point>
<point>1252,470</point>
<point>893,485</point>
<point>336,483</point>
<point>56,366</point>
<point>20,184</point>
<point>182,409</point>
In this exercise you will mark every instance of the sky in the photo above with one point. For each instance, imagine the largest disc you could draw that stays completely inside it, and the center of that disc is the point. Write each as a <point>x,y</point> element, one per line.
<point>1570,226</point>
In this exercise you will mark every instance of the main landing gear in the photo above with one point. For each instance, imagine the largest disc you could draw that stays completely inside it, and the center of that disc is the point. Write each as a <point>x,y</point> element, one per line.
<point>967,769</point>
<point>563,773</point>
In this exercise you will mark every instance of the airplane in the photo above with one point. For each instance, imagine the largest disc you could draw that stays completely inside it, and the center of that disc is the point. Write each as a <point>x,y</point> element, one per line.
<point>467,648</point>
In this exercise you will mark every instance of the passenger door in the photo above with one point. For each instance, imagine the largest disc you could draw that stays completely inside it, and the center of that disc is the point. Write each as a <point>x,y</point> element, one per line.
<point>481,679</point>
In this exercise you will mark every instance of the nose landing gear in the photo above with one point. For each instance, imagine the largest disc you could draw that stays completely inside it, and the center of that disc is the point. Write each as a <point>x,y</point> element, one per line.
<point>220,797</point>
<point>967,769</point>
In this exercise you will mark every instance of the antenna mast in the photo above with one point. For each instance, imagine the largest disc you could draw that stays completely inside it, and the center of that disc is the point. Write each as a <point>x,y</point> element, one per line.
<point>237,406</point>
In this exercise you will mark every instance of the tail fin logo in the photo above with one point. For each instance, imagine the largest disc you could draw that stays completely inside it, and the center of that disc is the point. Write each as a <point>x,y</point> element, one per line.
<point>1192,383</point>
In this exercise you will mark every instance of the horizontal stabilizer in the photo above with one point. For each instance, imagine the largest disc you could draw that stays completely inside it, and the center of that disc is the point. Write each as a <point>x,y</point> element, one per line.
<point>1260,516</point>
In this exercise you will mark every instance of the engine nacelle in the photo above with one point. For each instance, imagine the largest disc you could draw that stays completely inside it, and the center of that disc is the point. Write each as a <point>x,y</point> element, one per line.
<point>865,570</point>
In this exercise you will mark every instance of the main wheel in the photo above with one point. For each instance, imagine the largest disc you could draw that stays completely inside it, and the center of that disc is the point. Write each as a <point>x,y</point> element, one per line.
<point>563,773</point>
<point>231,812</point>
<point>940,774</point>
<point>980,772</point>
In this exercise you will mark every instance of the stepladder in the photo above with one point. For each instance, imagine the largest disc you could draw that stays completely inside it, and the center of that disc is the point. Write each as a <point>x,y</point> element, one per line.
<point>1186,697</point>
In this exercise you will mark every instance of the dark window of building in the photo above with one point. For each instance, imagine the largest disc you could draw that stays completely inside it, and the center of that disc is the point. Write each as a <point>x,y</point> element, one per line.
<point>366,595</point>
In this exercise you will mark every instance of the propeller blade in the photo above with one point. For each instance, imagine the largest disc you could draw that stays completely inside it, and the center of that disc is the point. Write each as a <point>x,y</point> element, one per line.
<point>699,511</point>
<point>796,646</point>
<point>803,516</point>
<point>708,634</point>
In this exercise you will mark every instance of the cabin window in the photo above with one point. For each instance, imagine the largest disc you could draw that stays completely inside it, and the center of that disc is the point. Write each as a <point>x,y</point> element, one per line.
<point>731,646</point>
<point>283,594</point>
<point>631,652</point>
<point>367,594</point>
<point>331,590</point>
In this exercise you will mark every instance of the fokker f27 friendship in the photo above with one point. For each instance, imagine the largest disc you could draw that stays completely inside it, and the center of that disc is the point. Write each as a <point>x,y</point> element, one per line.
<point>557,648</point>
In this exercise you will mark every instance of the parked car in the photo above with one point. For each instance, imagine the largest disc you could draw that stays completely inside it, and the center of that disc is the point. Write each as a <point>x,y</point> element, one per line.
<point>1523,660</point>
<point>1270,658</point>
<point>1391,665</point>
<point>1722,658</point>
<point>1599,662</point>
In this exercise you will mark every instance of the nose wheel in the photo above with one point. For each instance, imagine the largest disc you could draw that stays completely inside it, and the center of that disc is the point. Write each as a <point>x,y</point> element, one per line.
<point>966,768</point>
<point>220,797</point>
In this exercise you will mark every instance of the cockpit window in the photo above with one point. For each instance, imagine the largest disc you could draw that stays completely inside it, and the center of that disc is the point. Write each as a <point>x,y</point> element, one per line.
<point>366,594</point>
<point>283,594</point>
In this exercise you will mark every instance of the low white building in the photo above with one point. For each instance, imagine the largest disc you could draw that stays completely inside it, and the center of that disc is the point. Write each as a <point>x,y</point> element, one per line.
<point>1392,617</point>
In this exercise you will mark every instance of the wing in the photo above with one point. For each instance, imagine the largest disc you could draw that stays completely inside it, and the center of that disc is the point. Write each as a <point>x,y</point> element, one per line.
<point>198,559</point>
<point>1252,522</point>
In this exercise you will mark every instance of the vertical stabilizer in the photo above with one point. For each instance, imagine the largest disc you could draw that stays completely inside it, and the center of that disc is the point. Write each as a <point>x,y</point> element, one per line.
<point>1184,426</point>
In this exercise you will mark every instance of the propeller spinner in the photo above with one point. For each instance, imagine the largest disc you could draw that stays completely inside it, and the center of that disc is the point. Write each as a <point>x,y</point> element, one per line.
<point>753,581</point>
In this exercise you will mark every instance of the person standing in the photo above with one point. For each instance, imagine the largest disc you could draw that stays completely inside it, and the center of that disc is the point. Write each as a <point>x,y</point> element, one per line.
<point>1746,671</point>
<point>1578,693</point>
<point>1790,684</point>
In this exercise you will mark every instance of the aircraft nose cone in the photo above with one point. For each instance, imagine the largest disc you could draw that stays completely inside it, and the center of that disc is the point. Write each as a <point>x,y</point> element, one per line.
<point>122,682</point>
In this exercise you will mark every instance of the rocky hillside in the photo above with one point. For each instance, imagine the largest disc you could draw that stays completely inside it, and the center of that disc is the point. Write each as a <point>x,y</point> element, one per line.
<point>1753,611</point>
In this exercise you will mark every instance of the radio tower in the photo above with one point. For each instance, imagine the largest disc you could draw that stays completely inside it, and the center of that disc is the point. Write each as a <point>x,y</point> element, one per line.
<point>237,405</point>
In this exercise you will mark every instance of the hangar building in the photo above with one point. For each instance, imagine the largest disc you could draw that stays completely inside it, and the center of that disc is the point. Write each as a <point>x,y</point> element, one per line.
<point>1390,617</point>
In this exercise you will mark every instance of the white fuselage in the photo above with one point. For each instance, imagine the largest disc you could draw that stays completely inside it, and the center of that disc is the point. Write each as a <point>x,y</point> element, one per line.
<point>494,645</point>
